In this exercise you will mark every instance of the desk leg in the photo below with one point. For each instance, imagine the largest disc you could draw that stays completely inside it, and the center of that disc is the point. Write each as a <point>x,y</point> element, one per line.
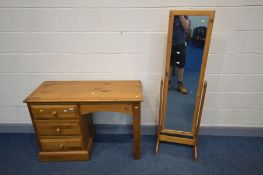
<point>136,110</point>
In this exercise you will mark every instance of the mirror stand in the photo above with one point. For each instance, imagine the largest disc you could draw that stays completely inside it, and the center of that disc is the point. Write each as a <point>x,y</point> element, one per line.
<point>183,88</point>
<point>180,137</point>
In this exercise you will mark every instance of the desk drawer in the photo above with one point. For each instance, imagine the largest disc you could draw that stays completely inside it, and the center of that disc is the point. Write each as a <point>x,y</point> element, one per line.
<point>57,128</point>
<point>65,144</point>
<point>54,111</point>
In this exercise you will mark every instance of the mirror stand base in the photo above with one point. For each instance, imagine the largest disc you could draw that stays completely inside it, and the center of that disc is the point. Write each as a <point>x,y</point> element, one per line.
<point>180,137</point>
<point>178,140</point>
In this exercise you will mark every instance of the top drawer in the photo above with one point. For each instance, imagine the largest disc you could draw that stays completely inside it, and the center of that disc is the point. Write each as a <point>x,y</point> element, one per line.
<point>54,111</point>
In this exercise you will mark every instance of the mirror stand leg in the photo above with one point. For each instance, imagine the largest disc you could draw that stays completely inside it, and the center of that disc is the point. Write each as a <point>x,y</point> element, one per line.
<point>157,148</point>
<point>195,152</point>
<point>160,120</point>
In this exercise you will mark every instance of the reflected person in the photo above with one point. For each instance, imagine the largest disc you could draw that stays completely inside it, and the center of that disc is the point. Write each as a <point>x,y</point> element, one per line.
<point>181,26</point>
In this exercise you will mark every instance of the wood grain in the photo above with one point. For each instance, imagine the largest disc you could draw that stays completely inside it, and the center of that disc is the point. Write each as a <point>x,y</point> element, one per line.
<point>54,111</point>
<point>114,107</point>
<point>58,128</point>
<point>136,108</point>
<point>176,132</point>
<point>179,140</point>
<point>159,119</point>
<point>64,144</point>
<point>63,155</point>
<point>87,91</point>
<point>61,113</point>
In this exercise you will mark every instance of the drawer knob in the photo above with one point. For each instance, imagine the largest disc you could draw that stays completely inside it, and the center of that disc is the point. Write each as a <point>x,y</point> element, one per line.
<point>54,113</point>
<point>61,146</point>
<point>58,130</point>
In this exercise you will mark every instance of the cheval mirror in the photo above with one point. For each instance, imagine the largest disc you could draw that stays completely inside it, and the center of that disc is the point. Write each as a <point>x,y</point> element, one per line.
<point>183,91</point>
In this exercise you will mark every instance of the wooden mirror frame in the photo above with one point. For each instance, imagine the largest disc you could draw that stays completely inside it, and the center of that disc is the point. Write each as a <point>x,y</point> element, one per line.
<point>176,136</point>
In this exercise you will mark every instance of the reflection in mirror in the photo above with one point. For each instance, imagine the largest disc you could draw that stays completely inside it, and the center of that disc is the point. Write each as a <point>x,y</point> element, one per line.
<point>188,40</point>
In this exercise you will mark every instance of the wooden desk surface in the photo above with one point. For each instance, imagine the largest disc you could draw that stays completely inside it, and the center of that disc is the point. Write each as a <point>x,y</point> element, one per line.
<point>87,91</point>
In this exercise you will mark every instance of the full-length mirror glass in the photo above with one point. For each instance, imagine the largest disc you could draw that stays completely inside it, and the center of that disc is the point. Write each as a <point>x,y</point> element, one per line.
<point>188,40</point>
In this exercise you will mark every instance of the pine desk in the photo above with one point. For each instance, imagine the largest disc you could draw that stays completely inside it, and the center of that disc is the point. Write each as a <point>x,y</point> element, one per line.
<point>61,113</point>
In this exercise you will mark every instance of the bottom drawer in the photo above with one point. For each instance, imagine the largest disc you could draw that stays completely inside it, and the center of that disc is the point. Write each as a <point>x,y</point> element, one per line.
<point>65,144</point>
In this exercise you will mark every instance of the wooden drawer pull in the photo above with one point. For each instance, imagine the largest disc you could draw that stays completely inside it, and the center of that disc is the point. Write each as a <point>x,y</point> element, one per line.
<point>54,113</point>
<point>58,130</point>
<point>61,146</point>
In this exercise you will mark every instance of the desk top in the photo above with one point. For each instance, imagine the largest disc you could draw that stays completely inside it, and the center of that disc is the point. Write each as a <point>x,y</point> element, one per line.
<point>87,91</point>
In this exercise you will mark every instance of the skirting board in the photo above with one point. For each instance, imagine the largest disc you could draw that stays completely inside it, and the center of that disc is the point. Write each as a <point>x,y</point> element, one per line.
<point>255,131</point>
